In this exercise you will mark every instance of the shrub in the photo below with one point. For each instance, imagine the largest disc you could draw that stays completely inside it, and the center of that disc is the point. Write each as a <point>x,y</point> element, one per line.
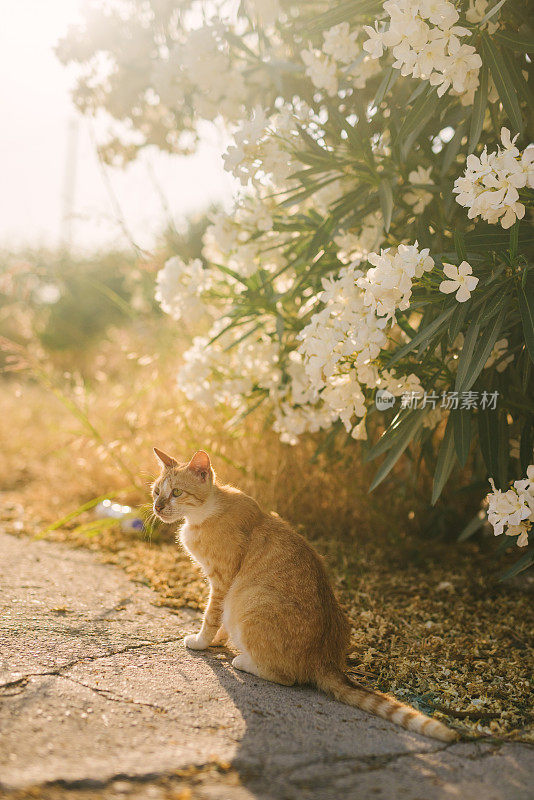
<point>376,272</point>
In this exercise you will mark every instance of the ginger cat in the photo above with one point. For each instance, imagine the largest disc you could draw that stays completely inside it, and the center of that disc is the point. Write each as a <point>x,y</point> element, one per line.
<point>268,590</point>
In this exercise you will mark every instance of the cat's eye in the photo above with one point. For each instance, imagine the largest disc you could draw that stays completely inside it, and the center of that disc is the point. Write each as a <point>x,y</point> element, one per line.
<point>176,492</point>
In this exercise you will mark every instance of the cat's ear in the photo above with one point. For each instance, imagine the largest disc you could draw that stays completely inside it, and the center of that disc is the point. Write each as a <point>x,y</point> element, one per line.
<point>200,464</point>
<point>165,460</point>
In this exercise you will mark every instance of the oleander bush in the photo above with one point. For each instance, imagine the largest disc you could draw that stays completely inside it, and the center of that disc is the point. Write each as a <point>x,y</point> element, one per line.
<point>374,280</point>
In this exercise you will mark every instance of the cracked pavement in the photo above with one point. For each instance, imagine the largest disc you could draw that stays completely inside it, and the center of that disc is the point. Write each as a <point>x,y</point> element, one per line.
<point>99,698</point>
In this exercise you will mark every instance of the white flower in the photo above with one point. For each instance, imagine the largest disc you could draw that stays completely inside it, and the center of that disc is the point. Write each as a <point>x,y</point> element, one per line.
<point>179,287</point>
<point>375,43</point>
<point>461,280</point>
<point>340,43</point>
<point>321,71</point>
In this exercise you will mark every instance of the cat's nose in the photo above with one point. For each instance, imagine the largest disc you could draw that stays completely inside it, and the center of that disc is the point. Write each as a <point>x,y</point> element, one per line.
<point>159,505</point>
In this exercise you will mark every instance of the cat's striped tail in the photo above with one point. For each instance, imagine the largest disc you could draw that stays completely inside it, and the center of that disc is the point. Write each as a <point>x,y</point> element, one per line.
<point>342,688</point>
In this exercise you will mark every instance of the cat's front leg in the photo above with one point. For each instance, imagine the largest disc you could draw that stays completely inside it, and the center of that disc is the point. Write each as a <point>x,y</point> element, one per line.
<point>211,622</point>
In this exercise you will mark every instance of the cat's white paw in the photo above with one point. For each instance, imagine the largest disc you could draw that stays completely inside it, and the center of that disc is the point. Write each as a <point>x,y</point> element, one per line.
<point>195,642</point>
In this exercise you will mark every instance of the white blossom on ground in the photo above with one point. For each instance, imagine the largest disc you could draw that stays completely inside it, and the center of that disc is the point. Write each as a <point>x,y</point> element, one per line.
<point>461,280</point>
<point>489,186</point>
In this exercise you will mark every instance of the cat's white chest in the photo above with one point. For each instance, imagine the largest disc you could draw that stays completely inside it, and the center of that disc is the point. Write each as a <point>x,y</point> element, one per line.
<point>189,537</point>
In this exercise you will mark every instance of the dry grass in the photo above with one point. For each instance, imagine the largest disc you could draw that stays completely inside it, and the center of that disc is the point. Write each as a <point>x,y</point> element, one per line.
<point>430,622</point>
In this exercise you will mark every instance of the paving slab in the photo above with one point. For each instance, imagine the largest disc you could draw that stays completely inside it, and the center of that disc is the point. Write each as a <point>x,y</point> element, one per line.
<point>98,695</point>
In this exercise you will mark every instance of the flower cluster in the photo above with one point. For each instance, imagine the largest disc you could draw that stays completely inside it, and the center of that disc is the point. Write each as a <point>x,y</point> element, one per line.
<point>179,287</point>
<point>512,512</point>
<point>425,42</point>
<point>344,338</point>
<point>489,186</point>
<point>240,364</point>
<point>388,286</point>
<point>341,58</point>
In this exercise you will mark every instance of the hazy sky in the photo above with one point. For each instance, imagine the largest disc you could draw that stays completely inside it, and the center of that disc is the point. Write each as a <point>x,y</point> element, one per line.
<point>36,113</point>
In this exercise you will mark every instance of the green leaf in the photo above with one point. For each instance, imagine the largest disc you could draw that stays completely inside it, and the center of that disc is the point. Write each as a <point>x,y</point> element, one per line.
<point>479,110</point>
<point>488,434</point>
<point>445,463</point>
<point>459,245</point>
<point>452,149</point>
<point>522,564</point>
<point>473,526</point>
<point>415,120</point>
<point>503,82</point>
<point>401,443</point>
<point>514,240</point>
<point>388,81</point>
<point>403,422</point>
<point>504,449</point>
<point>467,353</point>
<point>526,308</point>
<point>457,320</point>
<point>516,41</point>
<point>385,193</point>
<point>526,446</point>
<point>423,337</point>
<point>461,419</point>
<point>76,513</point>
<point>493,10</point>
<point>483,349</point>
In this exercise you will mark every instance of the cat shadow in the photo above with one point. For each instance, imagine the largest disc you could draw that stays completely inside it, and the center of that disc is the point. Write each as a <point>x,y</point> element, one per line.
<point>296,739</point>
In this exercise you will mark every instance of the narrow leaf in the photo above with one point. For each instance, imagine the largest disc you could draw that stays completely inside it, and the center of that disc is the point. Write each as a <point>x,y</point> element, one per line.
<point>386,202</point>
<point>473,526</point>
<point>516,41</point>
<point>401,425</point>
<point>467,353</point>
<point>493,10</point>
<point>415,121</point>
<point>522,564</point>
<point>459,245</point>
<point>503,82</point>
<point>423,337</point>
<point>452,149</point>
<point>488,434</point>
<point>504,450</point>
<point>395,452</point>
<point>479,110</point>
<point>461,418</point>
<point>388,82</point>
<point>526,446</point>
<point>445,462</point>
<point>526,307</point>
<point>483,349</point>
<point>457,320</point>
